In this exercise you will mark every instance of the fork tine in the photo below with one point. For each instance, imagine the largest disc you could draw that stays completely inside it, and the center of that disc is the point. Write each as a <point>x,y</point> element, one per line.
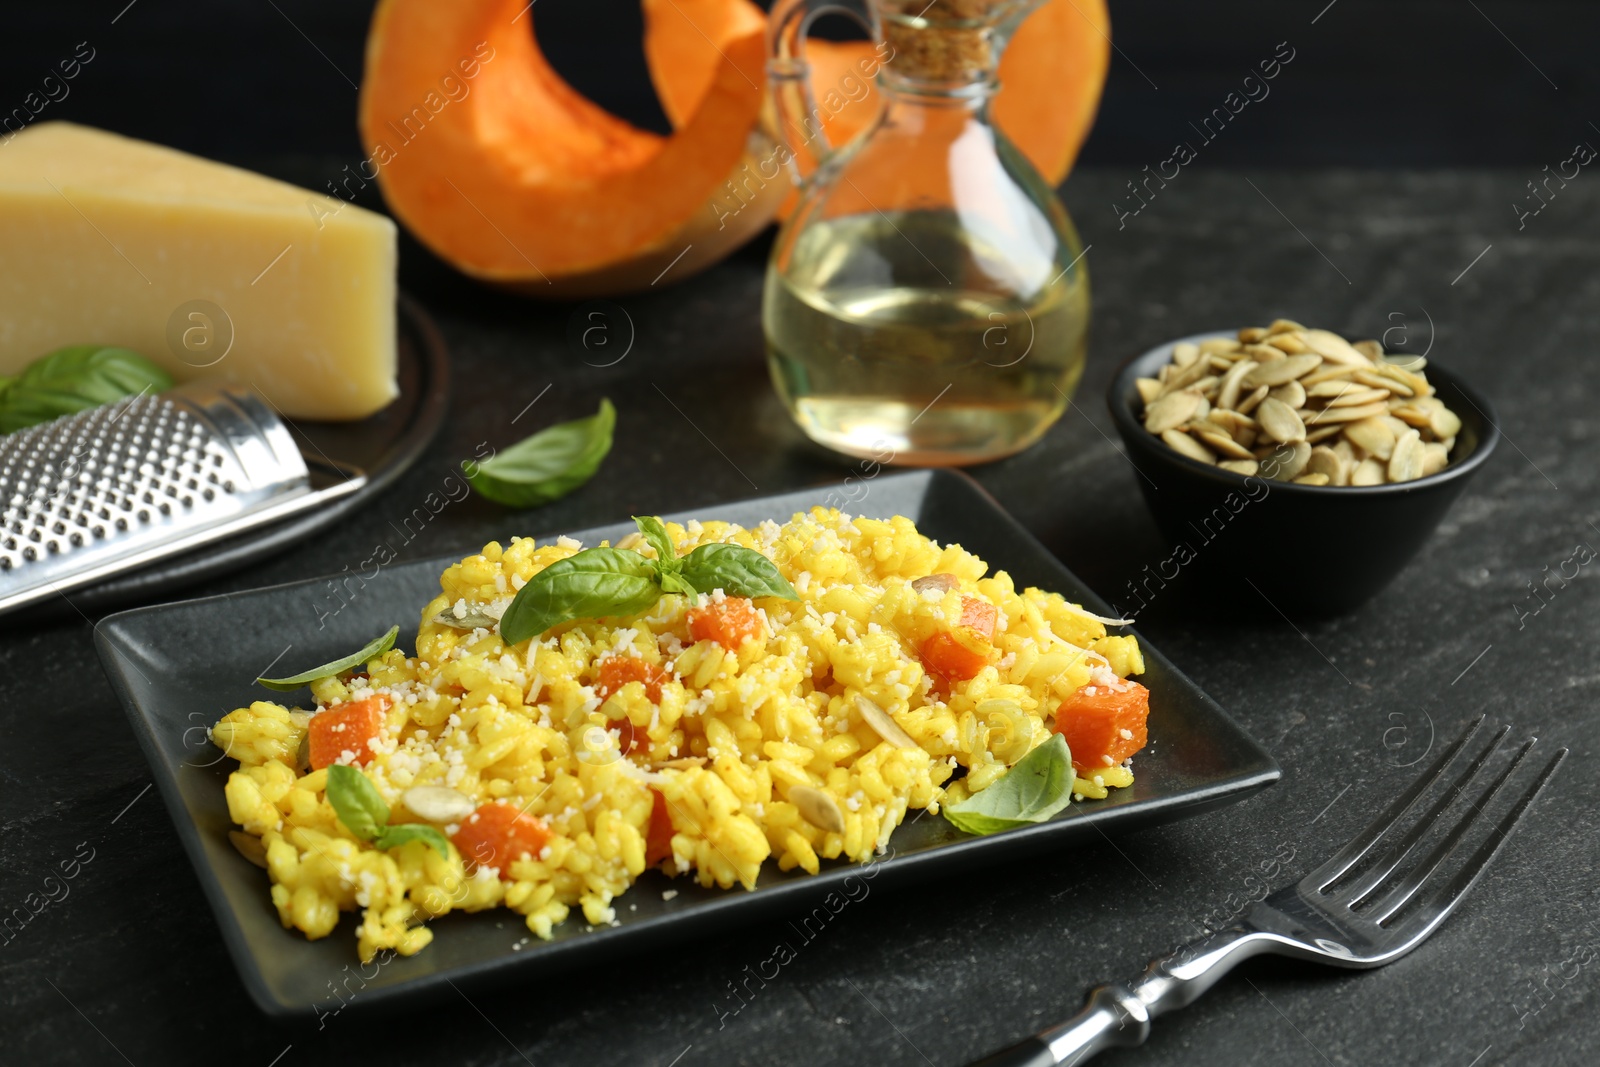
<point>1441,904</point>
<point>1363,842</point>
<point>1363,887</point>
<point>1408,886</point>
<point>1391,902</point>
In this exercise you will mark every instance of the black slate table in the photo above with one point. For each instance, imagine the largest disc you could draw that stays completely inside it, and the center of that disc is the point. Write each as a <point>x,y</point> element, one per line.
<point>128,966</point>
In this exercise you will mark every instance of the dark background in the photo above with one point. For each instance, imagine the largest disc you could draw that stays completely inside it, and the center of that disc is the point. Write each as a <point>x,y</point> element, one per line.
<point>1396,142</point>
<point>1376,83</point>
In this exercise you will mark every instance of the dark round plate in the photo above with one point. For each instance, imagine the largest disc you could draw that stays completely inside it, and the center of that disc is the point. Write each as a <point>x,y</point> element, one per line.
<point>384,445</point>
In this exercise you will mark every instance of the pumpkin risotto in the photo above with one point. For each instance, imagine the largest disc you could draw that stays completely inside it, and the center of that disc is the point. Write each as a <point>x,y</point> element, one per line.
<point>702,736</point>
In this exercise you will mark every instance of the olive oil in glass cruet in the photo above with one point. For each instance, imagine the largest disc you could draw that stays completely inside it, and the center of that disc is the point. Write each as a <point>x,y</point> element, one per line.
<point>927,299</point>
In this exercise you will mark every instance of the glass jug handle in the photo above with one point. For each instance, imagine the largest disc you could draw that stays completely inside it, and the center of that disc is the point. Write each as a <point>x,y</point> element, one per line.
<point>799,122</point>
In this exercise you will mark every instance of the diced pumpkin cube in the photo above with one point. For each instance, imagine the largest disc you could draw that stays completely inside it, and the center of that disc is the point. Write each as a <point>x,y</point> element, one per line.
<point>730,622</point>
<point>497,835</point>
<point>658,838</point>
<point>1101,721</point>
<point>979,615</point>
<point>956,655</point>
<point>617,671</point>
<point>349,727</point>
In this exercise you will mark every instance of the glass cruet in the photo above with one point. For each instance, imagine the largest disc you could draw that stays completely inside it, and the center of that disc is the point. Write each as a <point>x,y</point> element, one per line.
<point>926,301</point>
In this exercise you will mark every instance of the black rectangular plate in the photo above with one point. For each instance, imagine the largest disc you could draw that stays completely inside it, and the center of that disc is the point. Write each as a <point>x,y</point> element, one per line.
<point>180,667</point>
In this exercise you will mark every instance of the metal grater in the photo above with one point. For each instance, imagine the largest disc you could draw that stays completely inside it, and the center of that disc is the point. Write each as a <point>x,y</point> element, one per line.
<point>117,487</point>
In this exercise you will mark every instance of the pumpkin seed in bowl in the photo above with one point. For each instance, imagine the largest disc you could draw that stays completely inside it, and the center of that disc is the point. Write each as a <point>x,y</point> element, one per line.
<point>1302,405</point>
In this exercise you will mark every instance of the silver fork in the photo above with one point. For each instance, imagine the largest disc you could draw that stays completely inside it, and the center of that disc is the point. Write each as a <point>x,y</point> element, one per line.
<point>1334,915</point>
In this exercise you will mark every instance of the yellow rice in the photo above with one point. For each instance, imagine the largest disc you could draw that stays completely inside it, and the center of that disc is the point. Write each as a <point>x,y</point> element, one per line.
<point>517,724</point>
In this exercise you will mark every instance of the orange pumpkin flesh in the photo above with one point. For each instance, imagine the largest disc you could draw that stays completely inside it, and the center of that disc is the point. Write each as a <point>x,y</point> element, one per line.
<point>522,182</point>
<point>681,52</point>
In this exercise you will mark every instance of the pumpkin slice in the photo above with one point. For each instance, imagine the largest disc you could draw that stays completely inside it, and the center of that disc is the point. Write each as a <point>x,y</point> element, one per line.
<point>501,168</point>
<point>680,49</point>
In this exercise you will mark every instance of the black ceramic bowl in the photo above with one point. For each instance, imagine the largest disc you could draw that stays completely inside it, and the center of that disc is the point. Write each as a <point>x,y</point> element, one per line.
<point>1312,551</point>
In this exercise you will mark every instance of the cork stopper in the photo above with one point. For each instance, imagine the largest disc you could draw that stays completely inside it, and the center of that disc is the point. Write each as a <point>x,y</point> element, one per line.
<point>946,40</point>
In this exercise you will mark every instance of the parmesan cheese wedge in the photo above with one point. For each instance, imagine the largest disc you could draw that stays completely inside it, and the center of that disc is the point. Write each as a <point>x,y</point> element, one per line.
<point>204,268</point>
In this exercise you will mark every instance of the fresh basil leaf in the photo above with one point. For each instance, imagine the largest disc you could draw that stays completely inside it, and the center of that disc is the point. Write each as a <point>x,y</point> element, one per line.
<point>672,581</point>
<point>1036,788</point>
<point>595,582</point>
<point>405,832</point>
<point>376,647</point>
<point>653,531</point>
<point>70,380</point>
<point>736,571</point>
<point>548,465</point>
<point>357,802</point>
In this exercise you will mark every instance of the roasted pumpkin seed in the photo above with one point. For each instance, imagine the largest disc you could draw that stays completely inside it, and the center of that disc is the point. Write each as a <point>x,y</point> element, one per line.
<point>1333,348</point>
<point>1357,395</point>
<point>942,583</point>
<point>1264,353</point>
<point>1405,464</point>
<point>1220,442</point>
<point>1232,383</point>
<point>1435,457</point>
<point>1367,472</point>
<point>1351,414</point>
<point>1183,444</point>
<point>1444,422</point>
<point>1282,370</point>
<point>1286,461</point>
<point>250,847</point>
<point>438,803</point>
<point>1322,433</point>
<point>1249,403</point>
<point>1291,393</point>
<point>1172,410</point>
<point>1280,421</point>
<point>817,808</point>
<point>1373,436</point>
<point>883,724</point>
<point>1326,461</point>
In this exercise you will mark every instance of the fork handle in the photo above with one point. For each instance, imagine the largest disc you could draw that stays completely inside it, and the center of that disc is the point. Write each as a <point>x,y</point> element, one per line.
<point>1119,1013</point>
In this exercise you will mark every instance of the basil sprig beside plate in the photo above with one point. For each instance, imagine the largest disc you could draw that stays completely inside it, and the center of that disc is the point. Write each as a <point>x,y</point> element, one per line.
<point>1036,788</point>
<point>376,647</point>
<point>548,465</point>
<point>611,581</point>
<point>74,379</point>
<point>360,807</point>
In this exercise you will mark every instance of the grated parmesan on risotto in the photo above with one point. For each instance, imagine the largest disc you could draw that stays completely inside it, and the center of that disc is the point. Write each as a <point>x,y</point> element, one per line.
<point>741,747</point>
